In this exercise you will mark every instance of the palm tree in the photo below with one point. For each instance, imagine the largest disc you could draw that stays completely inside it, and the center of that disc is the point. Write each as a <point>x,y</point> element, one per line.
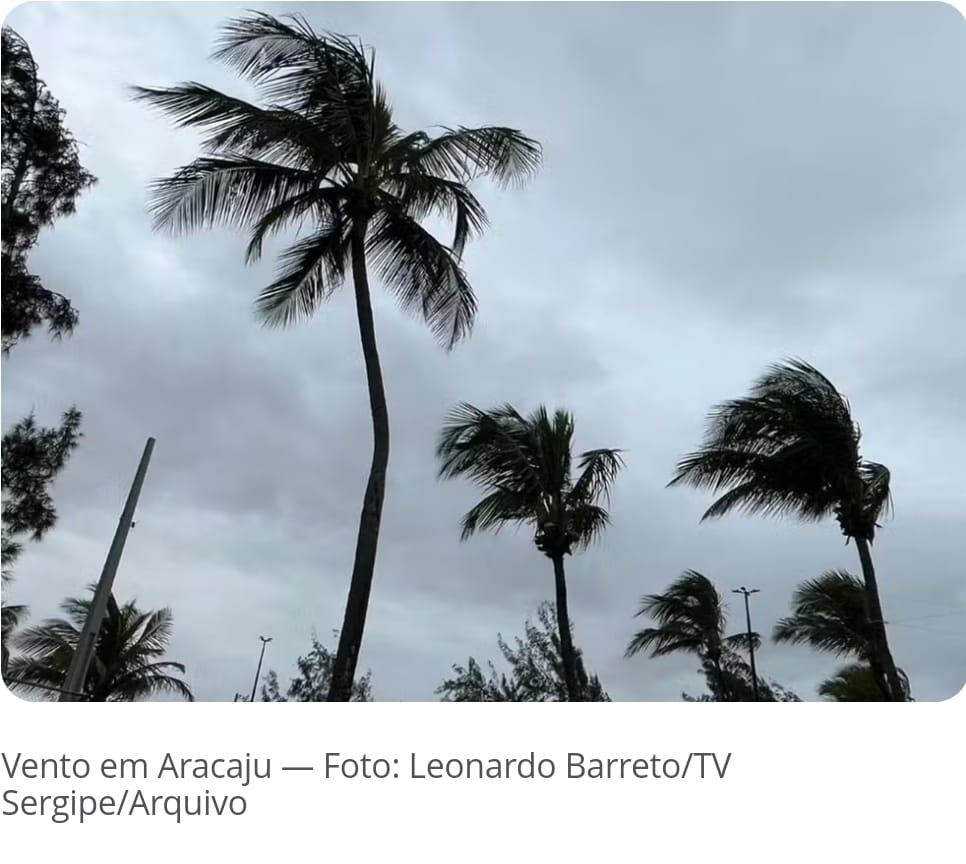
<point>792,448</point>
<point>525,465</point>
<point>829,614</point>
<point>857,682</point>
<point>325,151</point>
<point>691,619</point>
<point>126,665</point>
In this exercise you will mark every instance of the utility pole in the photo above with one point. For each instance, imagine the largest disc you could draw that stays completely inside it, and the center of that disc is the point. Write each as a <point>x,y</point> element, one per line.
<point>751,643</point>
<point>81,661</point>
<point>258,671</point>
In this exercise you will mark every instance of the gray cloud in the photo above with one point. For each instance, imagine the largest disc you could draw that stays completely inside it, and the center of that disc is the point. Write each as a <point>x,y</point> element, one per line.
<point>723,185</point>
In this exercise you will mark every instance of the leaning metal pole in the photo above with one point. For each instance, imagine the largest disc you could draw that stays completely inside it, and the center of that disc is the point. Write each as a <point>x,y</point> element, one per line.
<point>81,662</point>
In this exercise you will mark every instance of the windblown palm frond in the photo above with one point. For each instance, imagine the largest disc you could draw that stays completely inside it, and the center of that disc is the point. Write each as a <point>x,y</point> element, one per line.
<point>829,614</point>
<point>856,683</point>
<point>126,665</point>
<point>690,618</point>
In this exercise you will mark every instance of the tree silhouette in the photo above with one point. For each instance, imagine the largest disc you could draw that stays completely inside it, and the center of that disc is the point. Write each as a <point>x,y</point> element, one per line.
<point>325,150</point>
<point>791,448</point>
<point>525,466</point>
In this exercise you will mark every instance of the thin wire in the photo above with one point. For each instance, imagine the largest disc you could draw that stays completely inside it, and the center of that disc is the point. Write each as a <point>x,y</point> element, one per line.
<point>44,687</point>
<point>930,629</point>
<point>925,617</point>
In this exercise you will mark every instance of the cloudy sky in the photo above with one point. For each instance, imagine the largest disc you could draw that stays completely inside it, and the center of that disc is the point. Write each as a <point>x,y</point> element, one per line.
<point>723,186</point>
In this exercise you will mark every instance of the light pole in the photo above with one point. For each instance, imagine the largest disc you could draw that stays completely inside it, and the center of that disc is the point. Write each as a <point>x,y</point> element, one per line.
<point>86,644</point>
<point>751,641</point>
<point>258,671</point>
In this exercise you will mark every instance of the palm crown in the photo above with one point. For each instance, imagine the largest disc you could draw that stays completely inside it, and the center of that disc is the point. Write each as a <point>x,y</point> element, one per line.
<point>690,618</point>
<point>789,448</point>
<point>127,663</point>
<point>325,150</point>
<point>525,464</point>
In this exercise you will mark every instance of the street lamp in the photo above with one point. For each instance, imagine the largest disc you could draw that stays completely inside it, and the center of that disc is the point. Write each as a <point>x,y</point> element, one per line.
<point>751,641</point>
<point>258,671</point>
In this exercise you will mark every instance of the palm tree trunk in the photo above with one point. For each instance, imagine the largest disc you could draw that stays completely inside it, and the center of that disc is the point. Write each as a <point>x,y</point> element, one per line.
<point>567,652</point>
<point>360,585</point>
<point>882,662</point>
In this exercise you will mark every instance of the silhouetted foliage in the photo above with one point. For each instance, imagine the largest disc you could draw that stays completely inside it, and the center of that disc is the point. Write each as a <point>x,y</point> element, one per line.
<point>830,614</point>
<point>691,619</point>
<point>525,464</point>
<point>126,666</point>
<point>856,682</point>
<point>791,448</point>
<point>734,683</point>
<point>314,680</point>
<point>536,672</point>
<point>33,456</point>
<point>42,178</point>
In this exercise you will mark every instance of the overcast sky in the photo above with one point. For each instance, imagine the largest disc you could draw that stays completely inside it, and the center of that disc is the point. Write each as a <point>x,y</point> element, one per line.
<point>723,186</point>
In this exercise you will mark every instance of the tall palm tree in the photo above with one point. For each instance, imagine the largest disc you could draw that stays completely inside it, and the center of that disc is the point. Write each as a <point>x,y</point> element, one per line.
<point>325,151</point>
<point>525,466</point>
<point>829,614</point>
<point>126,666</point>
<point>691,619</point>
<point>792,448</point>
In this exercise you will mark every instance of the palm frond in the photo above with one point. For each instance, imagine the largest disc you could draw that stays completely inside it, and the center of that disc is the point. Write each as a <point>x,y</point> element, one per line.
<point>855,682</point>
<point>598,471</point>
<point>506,155</point>
<point>494,510</point>
<point>231,190</point>
<point>663,641</point>
<point>425,275</point>
<point>309,272</point>
<point>492,448</point>
<point>829,614</point>
<point>877,495</point>
<point>587,522</point>
<point>420,195</point>
<point>690,618</point>
<point>275,134</point>
<point>288,60</point>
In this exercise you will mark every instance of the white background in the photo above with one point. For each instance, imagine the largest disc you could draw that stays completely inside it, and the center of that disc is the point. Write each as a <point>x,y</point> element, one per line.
<point>806,780</point>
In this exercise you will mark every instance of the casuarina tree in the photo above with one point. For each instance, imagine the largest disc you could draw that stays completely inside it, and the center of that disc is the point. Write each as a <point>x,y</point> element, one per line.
<point>42,179</point>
